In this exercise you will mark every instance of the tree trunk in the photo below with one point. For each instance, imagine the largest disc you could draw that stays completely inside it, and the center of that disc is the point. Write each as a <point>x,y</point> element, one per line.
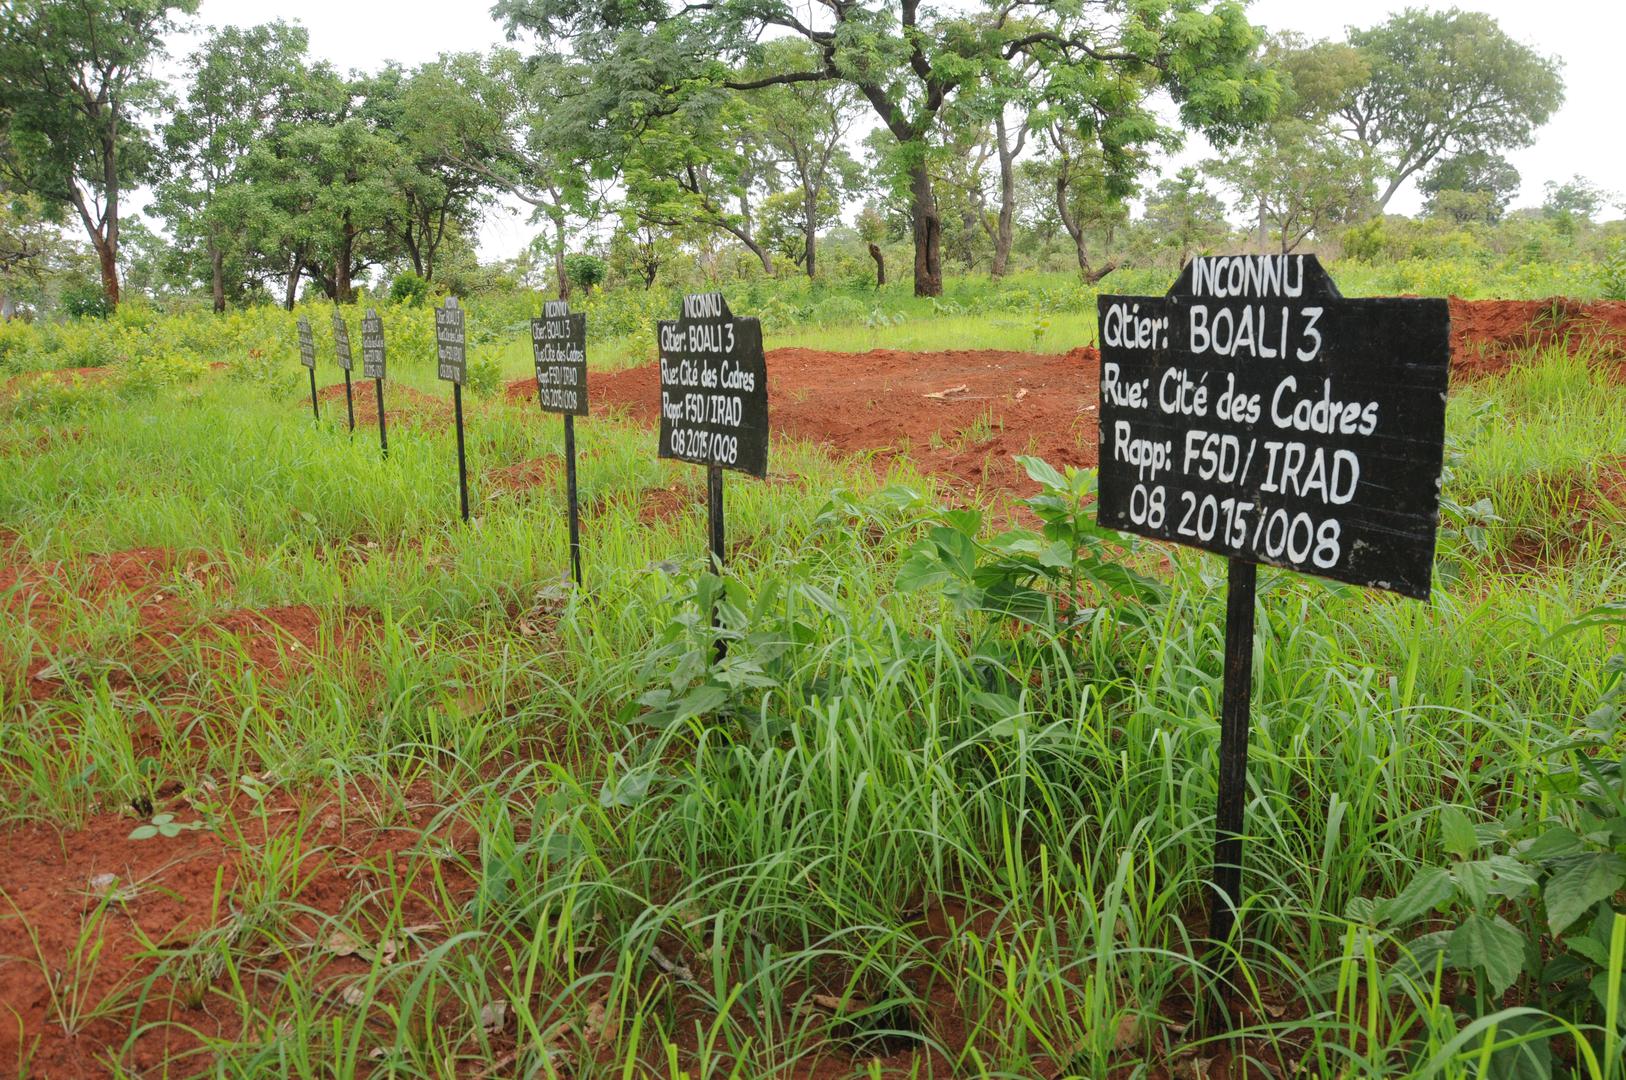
<point>217,279</point>
<point>342,290</point>
<point>1005,233</point>
<point>559,258</point>
<point>1264,230</point>
<point>880,265</point>
<point>107,259</point>
<point>1075,229</point>
<point>291,297</point>
<point>810,231</point>
<point>928,230</point>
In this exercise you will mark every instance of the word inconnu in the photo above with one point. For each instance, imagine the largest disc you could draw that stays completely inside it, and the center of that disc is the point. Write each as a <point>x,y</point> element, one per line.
<point>1257,413</point>
<point>559,347</point>
<point>714,387</point>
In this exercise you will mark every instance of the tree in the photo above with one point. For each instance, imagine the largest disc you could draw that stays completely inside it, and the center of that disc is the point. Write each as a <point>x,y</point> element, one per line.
<point>1299,177</point>
<point>242,84</point>
<point>1573,203</point>
<point>700,169</point>
<point>1088,192</point>
<point>75,79</point>
<point>648,59</point>
<point>318,193</point>
<point>444,120</point>
<point>1475,186</point>
<point>1185,216</point>
<point>803,126</point>
<point>32,250</point>
<point>1444,84</point>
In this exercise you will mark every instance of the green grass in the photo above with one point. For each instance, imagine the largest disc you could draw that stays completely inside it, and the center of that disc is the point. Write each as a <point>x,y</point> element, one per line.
<point>853,856</point>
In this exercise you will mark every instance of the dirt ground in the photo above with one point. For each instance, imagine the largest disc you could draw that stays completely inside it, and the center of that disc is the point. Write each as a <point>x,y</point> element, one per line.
<point>963,415</point>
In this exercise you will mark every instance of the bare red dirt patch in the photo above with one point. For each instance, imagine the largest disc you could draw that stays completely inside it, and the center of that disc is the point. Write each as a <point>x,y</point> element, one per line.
<point>960,415</point>
<point>402,404</point>
<point>1488,337</point>
<point>163,889</point>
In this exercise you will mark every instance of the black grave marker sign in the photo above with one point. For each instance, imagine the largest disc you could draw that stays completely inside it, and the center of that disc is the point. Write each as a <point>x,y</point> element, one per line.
<point>307,343</point>
<point>372,345</point>
<point>1256,413</point>
<point>372,367</point>
<point>449,348</point>
<point>307,356</point>
<point>341,352</point>
<point>714,387</point>
<point>341,342</point>
<point>714,401</point>
<point>559,346</point>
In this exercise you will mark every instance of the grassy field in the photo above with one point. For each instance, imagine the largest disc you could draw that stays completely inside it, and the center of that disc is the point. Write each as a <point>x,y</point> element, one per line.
<point>456,818</point>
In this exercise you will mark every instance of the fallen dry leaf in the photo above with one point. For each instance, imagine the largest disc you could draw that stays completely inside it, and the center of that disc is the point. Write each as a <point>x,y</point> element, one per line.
<point>340,943</point>
<point>596,1024</point>
<point>494,1016</point>
<point>1022,393</point>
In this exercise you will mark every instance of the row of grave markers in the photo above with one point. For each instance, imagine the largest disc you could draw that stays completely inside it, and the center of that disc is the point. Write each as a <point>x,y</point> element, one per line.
<point>1252,412</point>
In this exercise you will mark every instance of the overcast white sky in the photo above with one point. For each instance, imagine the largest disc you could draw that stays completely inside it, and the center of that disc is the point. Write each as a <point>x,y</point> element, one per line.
<point>1585,138</point>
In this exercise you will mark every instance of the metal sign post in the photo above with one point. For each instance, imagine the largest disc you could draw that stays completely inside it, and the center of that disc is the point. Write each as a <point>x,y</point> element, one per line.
<point>1256,413</point>
<point>559,347</point>
<point>453,360</point>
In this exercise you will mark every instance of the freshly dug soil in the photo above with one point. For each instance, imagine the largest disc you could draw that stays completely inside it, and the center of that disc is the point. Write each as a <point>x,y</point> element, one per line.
<point>402,404</point>
<point>961,415</point>
<point>1490,336</point>
<point>964,415</point>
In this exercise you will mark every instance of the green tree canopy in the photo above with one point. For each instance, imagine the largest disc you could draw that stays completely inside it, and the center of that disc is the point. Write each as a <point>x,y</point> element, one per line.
<point>242,90</point>
<point>647,58</point>
<point>75,80</point>
<point>1444,84</point>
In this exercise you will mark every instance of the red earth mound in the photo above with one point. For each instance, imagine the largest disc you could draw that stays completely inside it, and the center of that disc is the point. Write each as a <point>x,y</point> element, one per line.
<point>1490,336</point>
<point>402,404</point>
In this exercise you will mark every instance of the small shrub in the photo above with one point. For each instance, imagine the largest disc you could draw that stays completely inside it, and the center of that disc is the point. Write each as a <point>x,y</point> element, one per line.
<point>484,376</point>
<point>155,372</point>
<point>584,271</point>
<point>408,289</point>
<point>85,299</point>
<point>1612,273</point>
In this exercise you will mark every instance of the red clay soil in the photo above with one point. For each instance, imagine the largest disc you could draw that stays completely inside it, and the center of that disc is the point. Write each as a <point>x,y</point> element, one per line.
<point>66,376</point>
<point>960,415</point>
<point>164,888</point>
<point>279,641</point>
<point>964,415</point>
<point>402,405</point>
<point>1490,336</point>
